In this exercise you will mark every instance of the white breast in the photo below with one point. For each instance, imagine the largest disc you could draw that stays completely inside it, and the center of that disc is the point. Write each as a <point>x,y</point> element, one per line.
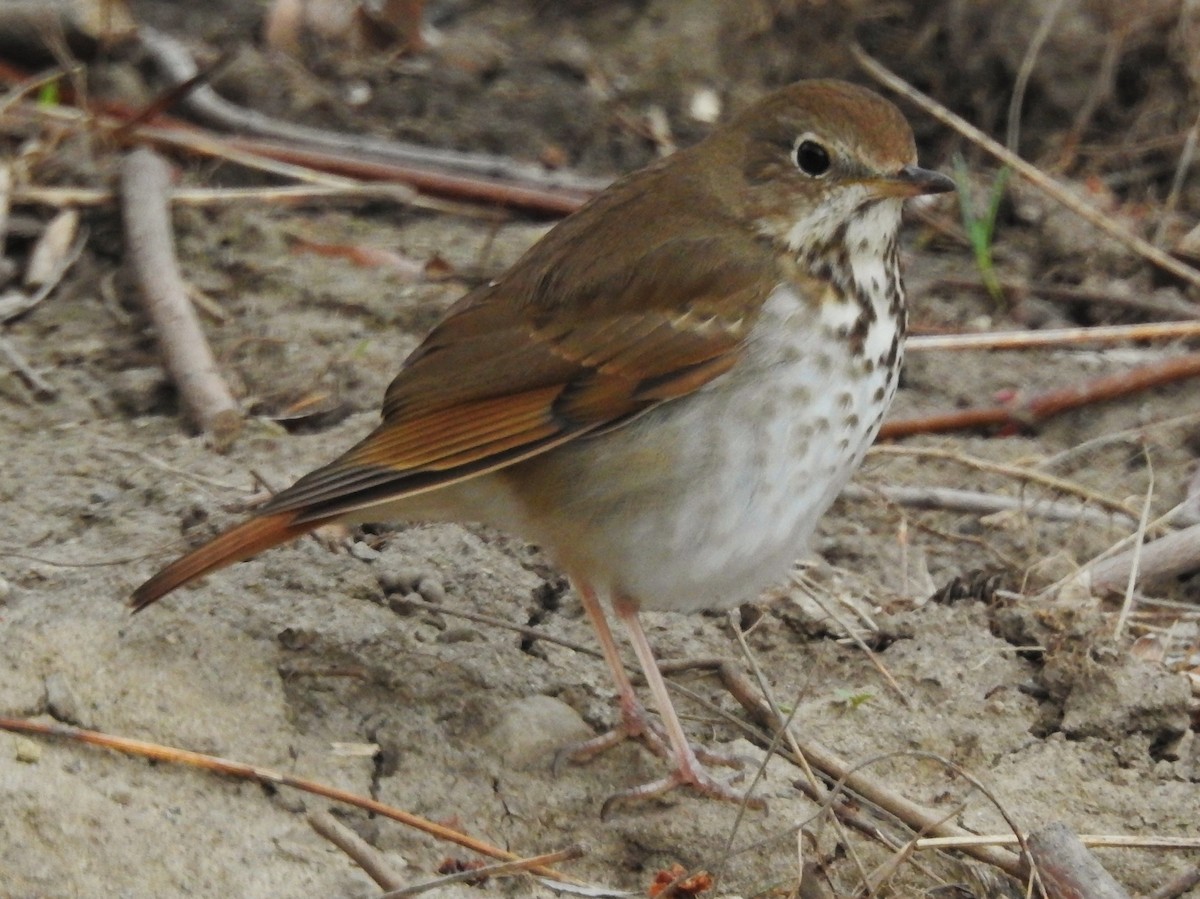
<point>706,500</point>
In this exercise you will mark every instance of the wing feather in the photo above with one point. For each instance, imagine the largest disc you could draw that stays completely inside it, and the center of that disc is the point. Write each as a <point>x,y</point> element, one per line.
<point>555,351</point>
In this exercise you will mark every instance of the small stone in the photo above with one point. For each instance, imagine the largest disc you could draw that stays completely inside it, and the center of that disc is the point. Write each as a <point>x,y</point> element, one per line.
<point>398,580</point>
<point>431,589</point>
<point>533,728</point>
<point>27,751</point>
<point>61,700</point>
<point>459,635</point>
<point>140,391</point>
<point>363,552</point>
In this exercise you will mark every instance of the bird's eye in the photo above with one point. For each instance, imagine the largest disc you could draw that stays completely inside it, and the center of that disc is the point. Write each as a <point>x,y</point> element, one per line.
<point>812,158</point>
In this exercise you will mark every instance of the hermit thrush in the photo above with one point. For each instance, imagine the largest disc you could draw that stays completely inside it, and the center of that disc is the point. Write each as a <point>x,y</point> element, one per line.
<point>666,392</point>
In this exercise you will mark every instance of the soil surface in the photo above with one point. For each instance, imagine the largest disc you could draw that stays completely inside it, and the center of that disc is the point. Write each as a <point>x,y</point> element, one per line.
<point>348,661</point>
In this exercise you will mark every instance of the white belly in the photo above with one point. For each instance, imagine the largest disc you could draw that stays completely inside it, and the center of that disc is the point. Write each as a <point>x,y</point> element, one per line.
<point>706,500</point>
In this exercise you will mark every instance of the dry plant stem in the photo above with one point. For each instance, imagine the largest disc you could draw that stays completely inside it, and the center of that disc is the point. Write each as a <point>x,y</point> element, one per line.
<point>216,196</point>
<point>1186,157</point>
<point>241,770</point>
<point>42,389</point>
<point>22,304</point>
<point>1049,481</point>
<point>1067,869</point>
<point>1024,412</point>
<point>6,184</point>
<point>174,59</point>
<point>1013,138</point>
<point>469,188</point>
<point>950,499</point>
<point>362,853</point>
<point>915,816</point>
<point>27,87</point>
<point>1161,559</point>
<point>1106,223</point>
<point>190,362</point>
<point>1139,539</point>
<point>500,869</point>
<point>1026,340</point>
<point>1091,840</point>
<point>858,641</point>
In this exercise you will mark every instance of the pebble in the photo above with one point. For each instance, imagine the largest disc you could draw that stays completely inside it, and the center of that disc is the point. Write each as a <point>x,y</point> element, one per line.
<point>139,391</point>
<point>364,552</point>
<point>61,700</point>
<point>401,580</point>
<point>532,729</point>
<point>431,589</point>
<point>459,635</point>
<point>28,751</point>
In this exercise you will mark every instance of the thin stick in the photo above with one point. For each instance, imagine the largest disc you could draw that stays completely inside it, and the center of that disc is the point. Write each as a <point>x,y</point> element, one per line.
<point>22,304</point>
<point>1159,560</point>
<point>1103,840</point>
<point>500,869</point>
<point>217,196</point>
<point>1013,138</point>
<point>1186,157</point>
<point>1067,869</point>
<point>363,854</point>
<point>1138,541</point>
<point>976,503</point>
<point>144,181</point>
<point>265,775</point>
<point>1049,481</point>
<point>42,389</point>
<point>1023,413</point>
<point>173,58</point>
<point>1025,340</point>
<point>1105,222</point>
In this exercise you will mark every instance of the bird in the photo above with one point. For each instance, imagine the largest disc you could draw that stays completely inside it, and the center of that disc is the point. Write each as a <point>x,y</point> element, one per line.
<point>666,392</point>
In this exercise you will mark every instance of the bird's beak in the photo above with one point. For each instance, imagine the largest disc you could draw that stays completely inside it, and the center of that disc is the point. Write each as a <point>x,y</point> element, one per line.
<point>912,181</point>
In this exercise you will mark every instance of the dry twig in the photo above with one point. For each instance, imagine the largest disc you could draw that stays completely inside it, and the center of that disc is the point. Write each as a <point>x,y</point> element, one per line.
<point>478,875</point>
<point>1057,337</point>
<point>976,503</point>
<point>205,103</point>
<point>1167,557</point>
<point>1106,223</point>
<point>1067,869</point>
<point>266,775</point>
<point>144,182</point>
<point>1023,412</point>
<point>363,854</point>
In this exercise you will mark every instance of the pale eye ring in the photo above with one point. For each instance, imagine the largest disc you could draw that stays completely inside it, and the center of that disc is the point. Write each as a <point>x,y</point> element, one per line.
<point>812,158</point>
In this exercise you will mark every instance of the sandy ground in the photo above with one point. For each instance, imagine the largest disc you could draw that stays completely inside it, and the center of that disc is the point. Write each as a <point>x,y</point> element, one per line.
<point>292,660</point>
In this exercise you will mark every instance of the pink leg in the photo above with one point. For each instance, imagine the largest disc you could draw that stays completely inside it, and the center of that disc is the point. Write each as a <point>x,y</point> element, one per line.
<point>634,720</point>
<point>688,769</point>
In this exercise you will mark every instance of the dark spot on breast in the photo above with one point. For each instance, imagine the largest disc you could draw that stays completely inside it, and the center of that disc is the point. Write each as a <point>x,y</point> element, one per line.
<point>894,350</point>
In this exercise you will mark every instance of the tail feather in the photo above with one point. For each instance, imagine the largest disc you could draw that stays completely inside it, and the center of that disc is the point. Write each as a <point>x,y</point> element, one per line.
<point>239,542</point>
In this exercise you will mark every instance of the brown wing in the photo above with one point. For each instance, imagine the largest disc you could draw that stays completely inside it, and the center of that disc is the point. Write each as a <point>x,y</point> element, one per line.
<point>503,377</point>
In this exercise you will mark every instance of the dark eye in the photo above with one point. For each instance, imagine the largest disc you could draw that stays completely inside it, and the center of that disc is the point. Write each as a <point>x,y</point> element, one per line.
<point>812,158</point>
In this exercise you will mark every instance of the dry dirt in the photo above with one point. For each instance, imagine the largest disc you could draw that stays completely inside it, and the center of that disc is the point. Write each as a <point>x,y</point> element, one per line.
<point>284,660</point>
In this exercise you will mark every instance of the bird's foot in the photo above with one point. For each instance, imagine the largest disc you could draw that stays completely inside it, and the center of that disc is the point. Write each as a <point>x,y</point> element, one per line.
<point>637,724</point>
<point>690,774</point>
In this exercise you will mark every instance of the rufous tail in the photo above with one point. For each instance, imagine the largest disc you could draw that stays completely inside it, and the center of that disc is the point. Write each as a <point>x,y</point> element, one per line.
<point>239,542</point>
